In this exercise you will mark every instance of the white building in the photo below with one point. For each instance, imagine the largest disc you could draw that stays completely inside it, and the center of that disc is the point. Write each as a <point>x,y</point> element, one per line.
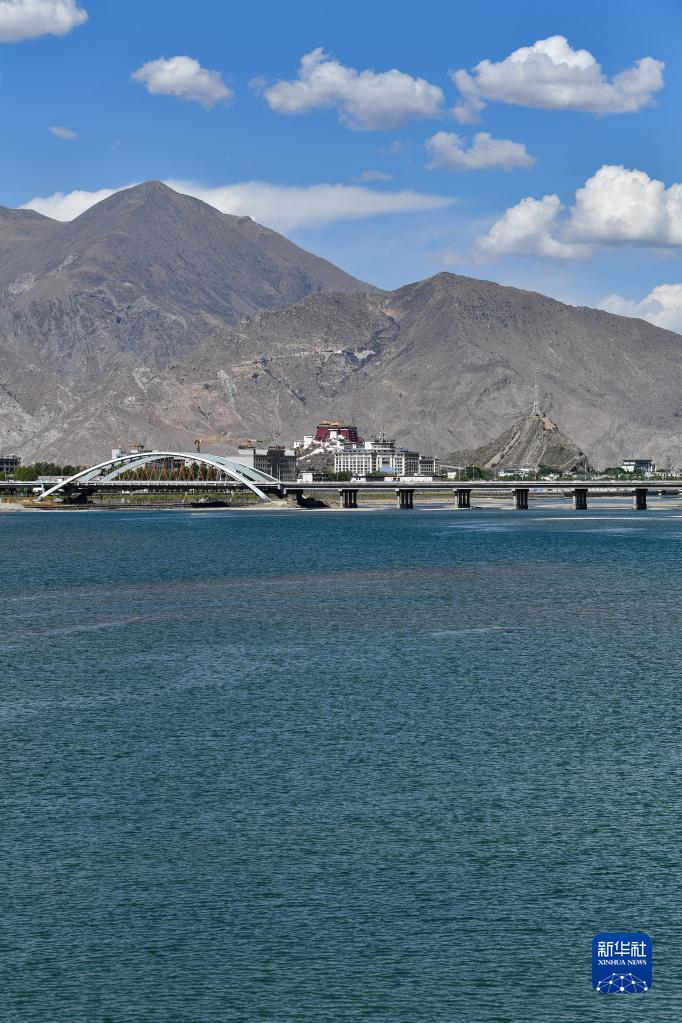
<point>645,465</point>
<point>380,457</point>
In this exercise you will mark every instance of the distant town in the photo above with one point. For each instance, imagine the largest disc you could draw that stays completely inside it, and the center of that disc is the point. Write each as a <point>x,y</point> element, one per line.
<point>335,450</point>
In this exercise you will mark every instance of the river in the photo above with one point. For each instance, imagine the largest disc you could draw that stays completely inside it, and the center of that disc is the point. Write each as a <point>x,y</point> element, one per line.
<point>298,766</point>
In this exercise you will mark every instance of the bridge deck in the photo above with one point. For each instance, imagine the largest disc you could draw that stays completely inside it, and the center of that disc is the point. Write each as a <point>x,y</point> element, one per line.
<point>375,486</point>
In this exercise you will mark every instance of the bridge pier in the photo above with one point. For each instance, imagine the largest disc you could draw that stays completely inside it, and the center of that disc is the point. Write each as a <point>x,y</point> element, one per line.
<point>404,498</point>
<point>74,496</point>
<point>521,498</point>
<point>463,497</point>
<point>580,498</point>
<point>294,498</point>
<point>639,499</point>
<point>348,498</point>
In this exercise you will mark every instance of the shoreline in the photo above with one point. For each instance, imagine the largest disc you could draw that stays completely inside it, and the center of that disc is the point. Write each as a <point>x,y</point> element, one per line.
<point>483,503</point>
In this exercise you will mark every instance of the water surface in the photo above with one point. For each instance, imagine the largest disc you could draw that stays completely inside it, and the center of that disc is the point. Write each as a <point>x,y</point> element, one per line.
<point>337,767</point>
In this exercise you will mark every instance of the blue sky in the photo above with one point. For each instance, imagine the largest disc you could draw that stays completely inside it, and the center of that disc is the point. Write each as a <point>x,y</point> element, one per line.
<point>411,196</point>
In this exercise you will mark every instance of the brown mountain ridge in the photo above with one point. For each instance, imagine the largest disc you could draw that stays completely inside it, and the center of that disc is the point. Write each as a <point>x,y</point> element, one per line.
<point>154,318</point>
<point>532,441</point>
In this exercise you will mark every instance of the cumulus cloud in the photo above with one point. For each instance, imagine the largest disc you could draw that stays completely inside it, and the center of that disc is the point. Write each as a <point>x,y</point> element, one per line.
<point>183,77</point>
<point>527,229</point>
<point>284,207</point>
<point>365,100</point>
<point>28,19</point>
<point>616,206</point>
<point>449,152</point>
<point>551,75</point>
<point>60,132</point>
<point>662,306</point>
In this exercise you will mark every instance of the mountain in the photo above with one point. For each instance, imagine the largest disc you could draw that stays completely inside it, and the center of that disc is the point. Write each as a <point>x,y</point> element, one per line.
<point>153,318</point>
<point>148,271</point>
<point>91,309</point>
<point>444,364</point>
<point>21,227</point>
<point>532,441</point>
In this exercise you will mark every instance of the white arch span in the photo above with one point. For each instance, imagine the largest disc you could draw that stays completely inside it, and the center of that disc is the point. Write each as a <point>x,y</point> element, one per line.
<point>113,467</point>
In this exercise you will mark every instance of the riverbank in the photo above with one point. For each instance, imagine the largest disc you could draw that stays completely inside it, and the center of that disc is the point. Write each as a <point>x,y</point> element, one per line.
<point>368,503</point>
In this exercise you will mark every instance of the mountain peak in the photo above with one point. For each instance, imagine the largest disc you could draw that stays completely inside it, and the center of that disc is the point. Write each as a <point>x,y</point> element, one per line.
<point>149,194</point>
<point>531,441</point>
<point>22,227</point>
<point>152,271</point>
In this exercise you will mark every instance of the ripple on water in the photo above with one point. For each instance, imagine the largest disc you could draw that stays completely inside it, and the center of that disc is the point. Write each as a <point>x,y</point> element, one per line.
<point>327,769</point>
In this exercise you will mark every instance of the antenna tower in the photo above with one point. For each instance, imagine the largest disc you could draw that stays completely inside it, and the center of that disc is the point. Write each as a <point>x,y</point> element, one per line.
<point>537,411</point>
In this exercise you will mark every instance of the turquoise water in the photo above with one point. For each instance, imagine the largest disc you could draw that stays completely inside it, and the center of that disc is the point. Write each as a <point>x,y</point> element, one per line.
<point>337,766</point>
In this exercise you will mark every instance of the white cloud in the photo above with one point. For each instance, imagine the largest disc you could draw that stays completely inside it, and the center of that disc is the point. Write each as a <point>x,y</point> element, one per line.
<point>27,19</point>
<point>616,206</point>
<point>550,75</point>
<point>67,205</point>
<point>284,207</point>
<point>60,132</point>
<point>527,230</point>
<point>365,100</point>
<point>183,77</point>
<point>662,306</point>
<point>448,152</point>
<point>288,207</point>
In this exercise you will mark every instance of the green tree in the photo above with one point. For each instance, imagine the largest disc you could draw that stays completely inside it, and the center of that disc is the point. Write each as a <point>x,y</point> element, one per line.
<point>26,473</point>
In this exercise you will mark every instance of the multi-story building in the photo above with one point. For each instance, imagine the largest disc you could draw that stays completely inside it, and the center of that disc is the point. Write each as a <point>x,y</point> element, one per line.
<point>280,462</point>
<point>356,461</point>
<point>381,457</point>
<point>406,463</point>
<point>428,466</point>
<point>8,464</point>
<point>638,465</point>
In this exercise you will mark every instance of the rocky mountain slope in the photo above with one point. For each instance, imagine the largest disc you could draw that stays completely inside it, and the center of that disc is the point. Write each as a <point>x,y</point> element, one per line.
<point>532,441</point>
<point>21,227</point>
<point>91,310</point>
<point>444,364</point>
<point>153,318</point>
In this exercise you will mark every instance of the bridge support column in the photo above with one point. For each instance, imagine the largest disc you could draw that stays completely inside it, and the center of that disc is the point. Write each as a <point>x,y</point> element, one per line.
<point>76,497</point>
<point>294,498</point>
<point>463,497</point>
<point>404,498</point>
<point>348,498</point>
<point>639,499</point>
<point>580,498</point>
<point>521,498</point>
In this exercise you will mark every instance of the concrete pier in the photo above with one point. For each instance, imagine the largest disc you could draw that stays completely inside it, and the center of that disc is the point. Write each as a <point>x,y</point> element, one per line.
<point>348,498</point>
<point>521,498</point>
<point>639,499</point>
<point>404,498</point>
<point>294,498</point>
<point>463,497</point>
<point>580,498</point>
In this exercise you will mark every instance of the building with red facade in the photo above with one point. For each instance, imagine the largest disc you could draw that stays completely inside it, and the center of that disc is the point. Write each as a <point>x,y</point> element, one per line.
<point>328,430</point>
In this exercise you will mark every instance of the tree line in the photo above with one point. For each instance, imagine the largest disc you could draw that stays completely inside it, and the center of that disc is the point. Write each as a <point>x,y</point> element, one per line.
<point>27,473</point>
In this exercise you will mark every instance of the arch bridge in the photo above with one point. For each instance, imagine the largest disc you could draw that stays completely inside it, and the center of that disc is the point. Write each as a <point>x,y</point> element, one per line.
<point>110,473</point>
